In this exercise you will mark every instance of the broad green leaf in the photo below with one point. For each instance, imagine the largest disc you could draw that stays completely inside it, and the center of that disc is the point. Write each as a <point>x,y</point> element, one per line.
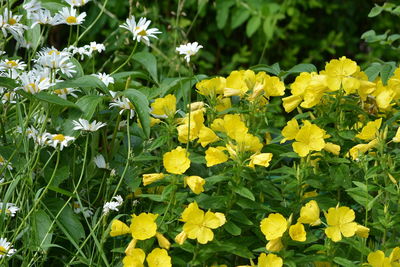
<point>244,192</point>
<point>88,105</point>
<point>375,11</point>
<point>149,62</point>
<point>53,99</point>
<point>141,104</point>
<point>302,68</point>
<point>387,71</point>
<point>373,71</point>
<point>42,233</point>
<point>78,68</point>
<point>239,16</point>
<point>252,25</point>
<point>86,81</point>
<point>232,228</point>
<point>344,262</point>
<point>223,7</point>
<point>273,69</point>
<point>8,83</point>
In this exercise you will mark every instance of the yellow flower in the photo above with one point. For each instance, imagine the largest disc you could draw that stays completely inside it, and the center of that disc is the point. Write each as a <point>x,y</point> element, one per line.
<point>159,258</point>
<point>211,87</point>
<point>196,105</point>
<point>274,86</point>
<point>196,123</point>
<point>378,259</point>
<point>143,226</point>
<point>176,161</point>
<point>274,226</point>
<point>340,222</point>
<point>134,258</point>
<point>215,155</point>
<point>131,247</point>
<point>223,103</point>
<point>154,121</point>
<point>274,245</point>
<point>165,106</point>
<point>198,224</point>
<point>310,137</point>
<point>309,214</point>
<point>297,232</point>
<point>181,238</point>
<point>239,82</point>
<point>207,136</point>
<point>163,241</point>
<point>261,159</point>
<point>370,130</point>
<point>332,148</point>
<point>270,260</point>
<point>119,228</point>
<point>362,231</point>
<point>291,102</point>
<point>356,150</point>
<point>396,138</point>
<point>151,178</point>
<point>247,142</point>
<point>290,130</point>
<point>338,73</point>
<point>195,183</point>
<point>231,124</point>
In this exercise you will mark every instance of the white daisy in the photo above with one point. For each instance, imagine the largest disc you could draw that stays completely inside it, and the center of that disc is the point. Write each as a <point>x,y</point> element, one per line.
<point>112,205</point>
<point>124,104</point>
<point>97,47</point>
<point>56,60</point>
<point>60,139</point>
<point>32,7</point>
<point>189,50</point>
<point>4,162</point>
<point>100,162</point>
<point>140,30</point>
<point>82,51</point>
<point>77,2</point>
<point>84,125</point>
<point>10,208</point>
<point>42,16</point>
<point>10,23</point>
<point>69,16</point>
<point>32,83</point>
<point>66,91</point>
<point>8,97</point>
<point>6,249</point>
<point>7,64</point>
<point>105,78</point>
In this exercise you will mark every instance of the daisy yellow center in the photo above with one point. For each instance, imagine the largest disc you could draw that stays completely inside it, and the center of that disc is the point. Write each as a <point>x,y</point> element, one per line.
<point>59,137</point>
<point>12,63</point>
<point>33,86</point>
<point>58,91</point>
<point>76,205</point>
<point>1,159</point>
<point>131,105</point>
<point>142,33</point>
<point>3,250</point>
<point>53,51</point>
<point>71,19</point>
<point>12,21</point>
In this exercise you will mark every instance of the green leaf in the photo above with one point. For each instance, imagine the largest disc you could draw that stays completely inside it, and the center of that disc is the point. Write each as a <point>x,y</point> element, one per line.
<point>149,62</point>
<point>68,221</point>
<point>8,83</point>
<point>239,16</point>
<point>273,69</point>
<point>223,7</point>
<point>42,233</point>
<point>78,68</point>
<point>141,104</point>
<point>387,71</point>
<point>302,68</point>
<point>88,105</point>
<point>373,71</point>
<point>232,228</point>
<point>375,11</point>
<point>244,192</point>
<point>344,262</point>
<point>252,25</point>
<point>53,99</point>
<point>86,81</point>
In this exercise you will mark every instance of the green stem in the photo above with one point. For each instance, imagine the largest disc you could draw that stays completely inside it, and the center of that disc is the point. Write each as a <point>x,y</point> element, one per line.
<point>127,60</point>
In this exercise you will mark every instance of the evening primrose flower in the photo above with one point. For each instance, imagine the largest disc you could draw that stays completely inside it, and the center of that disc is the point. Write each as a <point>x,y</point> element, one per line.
<point>275,245</point>
<point>339,71</point>
<point>309,138</point>
<point>152,177</point>
<point>189,49</point>
<point>143,226</point>
<point>176,161</point>
<point>340,222</point>
<point>119,228</point>
<point>140,30</point>
<point>68,16</point>
<point>60,140</point>
<point>309,214</point>
<point>198,224</point>
<point>211,87</point>
<point>370,130</point>
<point>274,226</point>
<point>297,232</point>
<point>85,126</point>
<point>195,183</point>
<point>163,241</point>
<point>261,159</point>
<point>359,149</point>
<point>270,260</point>
<point>378,259</point>
<point>6,249</point>
<point>215,156</point>
<point>207,136</point>
<point>158,257</point>
<point>134,258</point>
<point>290,131</point>
<point>164,107</point>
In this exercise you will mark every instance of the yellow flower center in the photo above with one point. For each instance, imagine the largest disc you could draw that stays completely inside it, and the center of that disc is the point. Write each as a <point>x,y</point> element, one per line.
<point>71,20</point>
<point>60,91</point>
<point>53,51</point>
<point>12,21</point>
<point>1,159</point>
<point>142,33</point>
<point>131,105</point>
<point>59,137</point>
<point>33,86</point>
<point>76,205</point>
<point>11,63</point>
<point>3,250</point>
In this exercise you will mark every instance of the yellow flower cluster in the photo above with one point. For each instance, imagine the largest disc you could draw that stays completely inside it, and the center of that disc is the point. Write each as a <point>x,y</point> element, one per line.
<point>378,258</point>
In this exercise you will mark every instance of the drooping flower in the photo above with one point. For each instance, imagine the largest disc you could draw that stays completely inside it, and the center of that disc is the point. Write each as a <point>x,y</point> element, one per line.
<point>152,177</point>
<point>340,222</point>
<point>85,126</point>
<point>215,156</point>
<point>370,130</point>
<point>195,183</point>
<point>261,159</point>
<point>274,245</point>
<point>77,2</point>
<point>207,136</point>
<point>105,78</point>
<point>159,258</point>
<point>359,149</point>
<point>309,214</point>
<point>297,232</point>
<point>124,104</point>
<point>163,242</point>
<point>176,161</point>
<point>143,226</point>
<point>119,228</point>
<point>274,226</point>
<point>396,138</point>
<point>189,49</point>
